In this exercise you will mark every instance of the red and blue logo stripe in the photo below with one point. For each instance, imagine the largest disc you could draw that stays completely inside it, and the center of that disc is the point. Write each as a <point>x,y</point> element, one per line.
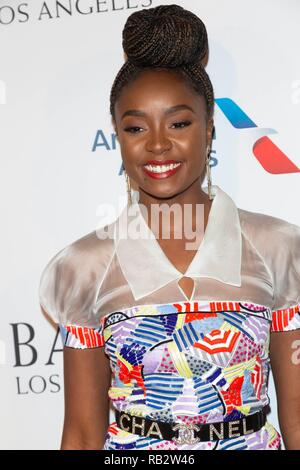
<point>272,158</point>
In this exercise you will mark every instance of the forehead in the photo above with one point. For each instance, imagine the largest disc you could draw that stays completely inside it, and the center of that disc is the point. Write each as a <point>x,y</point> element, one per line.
<point>158,88</point>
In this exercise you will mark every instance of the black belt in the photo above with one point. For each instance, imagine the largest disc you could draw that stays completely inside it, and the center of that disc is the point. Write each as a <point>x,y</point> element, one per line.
<point>188,433</point>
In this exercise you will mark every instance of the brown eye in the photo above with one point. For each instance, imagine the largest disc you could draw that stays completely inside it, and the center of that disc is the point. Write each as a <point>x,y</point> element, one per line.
<point>132,130</point>
<point>181,124</point>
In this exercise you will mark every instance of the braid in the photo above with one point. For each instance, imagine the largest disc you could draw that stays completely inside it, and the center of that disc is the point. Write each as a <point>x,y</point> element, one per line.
<point>165,37</point>
<point>201,83</point>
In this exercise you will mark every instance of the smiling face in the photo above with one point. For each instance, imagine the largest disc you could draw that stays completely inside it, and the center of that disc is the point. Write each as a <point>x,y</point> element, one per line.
<point>159,118</point>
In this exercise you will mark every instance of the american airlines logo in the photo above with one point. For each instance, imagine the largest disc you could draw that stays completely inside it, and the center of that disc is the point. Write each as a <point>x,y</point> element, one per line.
<point>272,158</point>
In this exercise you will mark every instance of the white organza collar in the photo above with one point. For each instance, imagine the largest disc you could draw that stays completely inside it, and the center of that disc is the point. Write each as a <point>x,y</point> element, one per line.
<point>147,268</point>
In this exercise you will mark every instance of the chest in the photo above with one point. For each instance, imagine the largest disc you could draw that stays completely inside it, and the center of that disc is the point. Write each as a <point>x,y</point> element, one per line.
<point>180,257</point>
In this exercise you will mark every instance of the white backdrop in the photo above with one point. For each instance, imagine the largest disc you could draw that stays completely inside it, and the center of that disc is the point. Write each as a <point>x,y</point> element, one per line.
<point>59,160</point>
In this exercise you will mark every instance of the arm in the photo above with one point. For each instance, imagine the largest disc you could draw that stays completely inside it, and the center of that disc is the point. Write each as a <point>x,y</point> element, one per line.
<point>86,381</point>
<point>69,286</point>
<point>285,365</point>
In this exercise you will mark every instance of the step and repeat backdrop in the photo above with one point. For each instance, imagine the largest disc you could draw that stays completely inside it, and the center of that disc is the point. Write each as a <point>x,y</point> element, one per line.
<point>60,159</point>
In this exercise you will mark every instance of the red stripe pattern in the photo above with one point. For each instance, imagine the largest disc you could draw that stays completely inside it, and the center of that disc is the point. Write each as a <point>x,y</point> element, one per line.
<point>224,306</point>
<point>82,337</point>
<point>286,319</point>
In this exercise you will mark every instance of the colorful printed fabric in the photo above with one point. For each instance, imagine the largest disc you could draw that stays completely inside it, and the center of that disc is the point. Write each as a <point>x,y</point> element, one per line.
<point>191,362</point>
<point>286,319</point>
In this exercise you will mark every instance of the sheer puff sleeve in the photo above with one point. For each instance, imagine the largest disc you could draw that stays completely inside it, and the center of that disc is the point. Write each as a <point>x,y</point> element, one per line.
<point>286,275</point>
<point>68,290</point>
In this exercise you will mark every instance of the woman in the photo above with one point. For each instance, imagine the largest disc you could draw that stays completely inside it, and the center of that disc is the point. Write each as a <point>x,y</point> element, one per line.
<point>176,337</point>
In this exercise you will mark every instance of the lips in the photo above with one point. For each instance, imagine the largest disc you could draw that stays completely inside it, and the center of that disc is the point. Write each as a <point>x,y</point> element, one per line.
<point>157,162</point>
<point>150,168</point>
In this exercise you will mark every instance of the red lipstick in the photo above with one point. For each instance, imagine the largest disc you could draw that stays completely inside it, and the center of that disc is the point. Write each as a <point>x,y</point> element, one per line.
<point>157,162</point>
<point>164,174</point>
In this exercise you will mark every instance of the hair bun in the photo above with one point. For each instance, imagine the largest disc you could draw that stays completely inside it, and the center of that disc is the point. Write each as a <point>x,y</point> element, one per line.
<point>165,36</point>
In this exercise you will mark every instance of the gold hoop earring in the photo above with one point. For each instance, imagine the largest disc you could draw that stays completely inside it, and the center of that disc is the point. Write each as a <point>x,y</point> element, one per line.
<point>208,174</point>
<point>129,195</point>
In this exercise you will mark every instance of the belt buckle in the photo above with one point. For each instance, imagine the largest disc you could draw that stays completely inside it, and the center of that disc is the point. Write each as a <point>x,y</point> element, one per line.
<point>186,433</point>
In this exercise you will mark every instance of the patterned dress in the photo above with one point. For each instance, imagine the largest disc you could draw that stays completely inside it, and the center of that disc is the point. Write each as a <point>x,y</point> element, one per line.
<point>174,359</point>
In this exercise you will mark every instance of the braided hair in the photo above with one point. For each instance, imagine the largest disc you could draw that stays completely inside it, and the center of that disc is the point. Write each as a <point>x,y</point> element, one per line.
<point>165,37</point>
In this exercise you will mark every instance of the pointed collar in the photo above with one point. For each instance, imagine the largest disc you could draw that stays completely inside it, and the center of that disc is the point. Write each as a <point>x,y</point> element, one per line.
<point>147,268</point>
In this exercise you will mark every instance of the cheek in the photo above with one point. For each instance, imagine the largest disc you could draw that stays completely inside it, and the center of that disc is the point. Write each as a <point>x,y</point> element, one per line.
<point>192,140</point>
<point>131,144</point>
<point>131,150</point>
<point>194,149</point>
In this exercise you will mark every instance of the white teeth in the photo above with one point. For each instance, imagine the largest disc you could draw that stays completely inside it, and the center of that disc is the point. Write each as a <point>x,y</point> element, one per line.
<point>161,168</point>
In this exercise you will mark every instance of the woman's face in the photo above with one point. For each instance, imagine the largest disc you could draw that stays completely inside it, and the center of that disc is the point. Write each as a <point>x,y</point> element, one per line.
<point>158,118</point>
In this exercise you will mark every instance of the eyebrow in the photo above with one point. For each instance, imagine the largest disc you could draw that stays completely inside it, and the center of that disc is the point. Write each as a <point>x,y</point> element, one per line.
<point>172,109</point>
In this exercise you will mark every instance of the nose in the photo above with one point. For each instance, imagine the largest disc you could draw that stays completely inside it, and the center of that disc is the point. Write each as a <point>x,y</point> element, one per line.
<point>158,141</point>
